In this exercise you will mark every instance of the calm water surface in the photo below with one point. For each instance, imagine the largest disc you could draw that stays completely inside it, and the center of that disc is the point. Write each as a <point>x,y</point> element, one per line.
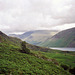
<point>63,49</point>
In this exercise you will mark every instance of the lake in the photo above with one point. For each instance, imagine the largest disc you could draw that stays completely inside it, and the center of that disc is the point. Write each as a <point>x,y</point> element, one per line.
<point>63,49</point>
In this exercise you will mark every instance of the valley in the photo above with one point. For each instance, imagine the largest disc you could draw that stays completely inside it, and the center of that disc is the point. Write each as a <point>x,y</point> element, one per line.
<point>40,60</point>
<point>37,37</point>
<point>49,38</point>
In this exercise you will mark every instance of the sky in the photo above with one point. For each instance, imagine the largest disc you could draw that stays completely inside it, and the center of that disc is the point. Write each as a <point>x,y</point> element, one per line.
<point>18,16</point>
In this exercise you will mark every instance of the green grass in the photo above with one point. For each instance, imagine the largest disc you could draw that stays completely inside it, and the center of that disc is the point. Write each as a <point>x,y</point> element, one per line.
<point>62,58</point>
<point>12,61</point>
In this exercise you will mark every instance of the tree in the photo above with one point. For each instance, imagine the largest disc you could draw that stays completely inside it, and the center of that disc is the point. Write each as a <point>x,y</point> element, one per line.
<point>23,44</point>
<point>24,49</point>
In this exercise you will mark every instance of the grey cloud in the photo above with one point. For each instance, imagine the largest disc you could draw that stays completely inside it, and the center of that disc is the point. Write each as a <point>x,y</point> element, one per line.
<point>22,15</point>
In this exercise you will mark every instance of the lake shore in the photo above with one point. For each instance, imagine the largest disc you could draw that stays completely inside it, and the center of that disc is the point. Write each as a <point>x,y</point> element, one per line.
<point>62,48</point>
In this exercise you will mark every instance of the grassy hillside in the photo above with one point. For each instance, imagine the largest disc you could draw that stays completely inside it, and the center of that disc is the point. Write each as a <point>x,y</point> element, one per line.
<point>64,38</point>
<point>9,40</point>
<point>14,61</point>
<point>37,48</point>
<point>40,60</point>
<point>63,57</point>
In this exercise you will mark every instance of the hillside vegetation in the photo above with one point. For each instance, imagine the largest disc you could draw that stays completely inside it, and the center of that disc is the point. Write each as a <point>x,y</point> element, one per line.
<point>9,40</point>
<point>16,62</point>
<point>64,38</point>
<point>14,59</point>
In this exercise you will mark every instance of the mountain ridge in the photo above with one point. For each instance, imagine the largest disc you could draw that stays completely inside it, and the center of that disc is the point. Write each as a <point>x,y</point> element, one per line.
<point>65,38</point>
<point>37,36</point>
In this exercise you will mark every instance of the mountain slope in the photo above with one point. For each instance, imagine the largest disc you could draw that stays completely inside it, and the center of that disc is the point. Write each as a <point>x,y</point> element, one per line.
<point>64,38</point>
<point>17,43</point>
<point>9,40</point>
<point>15,62</point>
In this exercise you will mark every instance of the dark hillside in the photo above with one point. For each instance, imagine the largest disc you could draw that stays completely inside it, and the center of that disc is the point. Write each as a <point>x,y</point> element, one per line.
<point>64,38</point>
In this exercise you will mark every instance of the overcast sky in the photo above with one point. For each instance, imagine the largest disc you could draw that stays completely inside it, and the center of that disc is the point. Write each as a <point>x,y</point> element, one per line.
<point>17,16</point>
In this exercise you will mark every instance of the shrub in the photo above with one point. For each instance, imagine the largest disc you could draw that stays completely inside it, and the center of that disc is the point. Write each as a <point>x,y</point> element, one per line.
<point>23,45</point>
<point>65,67</point>
<point>44,57</point>
<point>27,51</point>
<point>24,49</point>
<point>72,71</point>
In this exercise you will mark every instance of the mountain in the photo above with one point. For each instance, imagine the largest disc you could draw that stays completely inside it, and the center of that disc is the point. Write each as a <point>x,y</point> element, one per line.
<point>4,39</point>
<point>37,36</point>
<point>15,62</point>
<point>22,36</point>
<point>14,35</point>
<point>17,43</point>
<point>64,38</point>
